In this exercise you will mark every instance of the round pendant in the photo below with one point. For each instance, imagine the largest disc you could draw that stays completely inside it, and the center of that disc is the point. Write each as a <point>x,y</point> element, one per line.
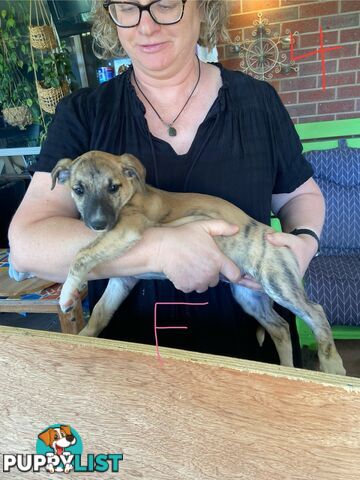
<point>172,131</point>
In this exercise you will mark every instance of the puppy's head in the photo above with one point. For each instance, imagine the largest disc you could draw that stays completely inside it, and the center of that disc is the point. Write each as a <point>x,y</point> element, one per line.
<point>60,437</point>
<point>101,184</point>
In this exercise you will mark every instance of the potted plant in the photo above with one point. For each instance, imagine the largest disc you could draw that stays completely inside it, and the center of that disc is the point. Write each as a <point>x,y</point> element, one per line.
<point>17,92</point>
<point>52,68</point>
<point>55,74</point>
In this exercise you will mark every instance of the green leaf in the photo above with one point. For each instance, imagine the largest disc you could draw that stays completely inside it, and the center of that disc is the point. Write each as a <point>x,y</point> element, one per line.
<point>3,13</point>
<point>29,102</point>
<point>10,23</point>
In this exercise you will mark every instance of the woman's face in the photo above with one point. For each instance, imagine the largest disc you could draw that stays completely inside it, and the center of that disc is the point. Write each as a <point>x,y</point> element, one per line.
<point>156,47</point>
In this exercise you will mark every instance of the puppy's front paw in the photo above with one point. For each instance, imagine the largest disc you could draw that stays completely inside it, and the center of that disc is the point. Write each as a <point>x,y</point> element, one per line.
<point>50,468</point>
<point>87,331</point>
<point>69,296</point>
<point>68,468</point>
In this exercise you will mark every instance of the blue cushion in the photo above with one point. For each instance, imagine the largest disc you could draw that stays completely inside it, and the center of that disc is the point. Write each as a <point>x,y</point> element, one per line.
<point>334,282</point>
<point>337,172</point>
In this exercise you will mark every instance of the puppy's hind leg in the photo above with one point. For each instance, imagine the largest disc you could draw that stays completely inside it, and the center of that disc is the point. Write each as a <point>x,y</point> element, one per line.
<point>314,315</point>
<point>285,287</point>
<point>115,293</point>
<point>259,305</point>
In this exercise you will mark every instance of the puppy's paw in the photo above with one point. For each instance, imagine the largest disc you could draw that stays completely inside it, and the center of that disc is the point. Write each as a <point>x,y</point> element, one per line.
<point>50,468</point>
<point>68,468</point>
<point>333,365</point>
<point>88,332</point>
<point>69,296</point>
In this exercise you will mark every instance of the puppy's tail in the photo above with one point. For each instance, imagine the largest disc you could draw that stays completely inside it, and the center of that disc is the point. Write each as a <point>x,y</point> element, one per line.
<point>260,335</point>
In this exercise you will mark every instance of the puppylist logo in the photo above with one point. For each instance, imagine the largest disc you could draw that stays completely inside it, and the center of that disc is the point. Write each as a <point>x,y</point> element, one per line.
<point>58,449</point>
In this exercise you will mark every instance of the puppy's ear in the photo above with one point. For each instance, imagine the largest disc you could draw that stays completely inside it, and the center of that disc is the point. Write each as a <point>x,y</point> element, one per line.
<point>45,437</point>
<point>66,429</point>
<point>61,171</point>
<point>133,168</point>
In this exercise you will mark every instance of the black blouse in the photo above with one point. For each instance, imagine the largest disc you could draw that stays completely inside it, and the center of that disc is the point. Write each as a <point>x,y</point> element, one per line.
<point>245,150</point>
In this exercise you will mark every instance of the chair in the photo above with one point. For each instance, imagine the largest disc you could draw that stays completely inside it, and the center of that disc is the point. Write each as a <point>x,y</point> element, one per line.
<point>333,278</point>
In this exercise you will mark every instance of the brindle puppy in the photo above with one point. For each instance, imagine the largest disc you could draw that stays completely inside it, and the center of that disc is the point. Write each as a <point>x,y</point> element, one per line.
<point>112,197</point>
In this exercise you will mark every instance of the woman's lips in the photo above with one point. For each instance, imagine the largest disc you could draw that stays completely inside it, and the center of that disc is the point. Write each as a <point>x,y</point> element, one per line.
<point>152,47</point>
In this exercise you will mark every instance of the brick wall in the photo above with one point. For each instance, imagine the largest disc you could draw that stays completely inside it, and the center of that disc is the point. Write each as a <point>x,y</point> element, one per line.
<point>302,91</point>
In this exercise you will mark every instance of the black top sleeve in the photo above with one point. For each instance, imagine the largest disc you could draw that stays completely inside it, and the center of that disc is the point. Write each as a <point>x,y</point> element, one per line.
<point>69,133</point>
<point>292,170</point>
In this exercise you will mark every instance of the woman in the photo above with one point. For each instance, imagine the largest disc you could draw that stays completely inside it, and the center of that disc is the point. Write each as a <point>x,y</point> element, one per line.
<point>196,127</point>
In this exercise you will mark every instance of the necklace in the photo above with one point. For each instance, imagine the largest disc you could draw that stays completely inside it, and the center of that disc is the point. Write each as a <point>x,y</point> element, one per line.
<point>171,129</point>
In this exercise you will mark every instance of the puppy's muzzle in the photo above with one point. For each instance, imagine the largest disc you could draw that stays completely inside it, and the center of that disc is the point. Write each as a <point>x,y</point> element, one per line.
<point>99,216</point>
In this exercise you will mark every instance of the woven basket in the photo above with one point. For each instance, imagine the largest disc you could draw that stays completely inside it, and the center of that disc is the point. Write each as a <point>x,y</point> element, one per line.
<point>18,116</point>
<point>42,37</point>
<point>50,97</point>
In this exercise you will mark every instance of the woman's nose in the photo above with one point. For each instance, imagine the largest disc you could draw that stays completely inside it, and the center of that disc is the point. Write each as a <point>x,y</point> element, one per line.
<point>147,25</point>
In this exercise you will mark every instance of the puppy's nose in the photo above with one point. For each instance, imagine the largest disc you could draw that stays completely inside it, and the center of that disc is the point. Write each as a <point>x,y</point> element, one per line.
<point>99,224</point>
<point>70,438</point>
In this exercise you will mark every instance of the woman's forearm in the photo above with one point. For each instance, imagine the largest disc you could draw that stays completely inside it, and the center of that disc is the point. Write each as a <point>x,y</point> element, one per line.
<point>47,248</point>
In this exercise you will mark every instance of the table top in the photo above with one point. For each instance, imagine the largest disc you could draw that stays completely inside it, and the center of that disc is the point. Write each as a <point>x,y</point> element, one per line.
<point>187,416</point>
<point>29,289</point>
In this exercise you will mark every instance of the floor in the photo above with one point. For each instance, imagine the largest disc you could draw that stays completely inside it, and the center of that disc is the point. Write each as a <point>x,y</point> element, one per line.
<point>348,349</point>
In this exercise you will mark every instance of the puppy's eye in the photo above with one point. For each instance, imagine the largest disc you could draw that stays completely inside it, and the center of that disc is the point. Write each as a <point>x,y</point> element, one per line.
<point>56,436</point>
<point>113,188</point>
<point>78,190</point>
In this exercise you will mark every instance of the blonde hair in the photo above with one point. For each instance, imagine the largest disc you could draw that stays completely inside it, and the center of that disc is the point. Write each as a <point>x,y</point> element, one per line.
<point>214,15</point>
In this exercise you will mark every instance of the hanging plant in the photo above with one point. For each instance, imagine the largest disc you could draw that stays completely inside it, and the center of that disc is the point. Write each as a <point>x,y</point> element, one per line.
<point>54,75</point>
<point>42,37</point>
<point>17,93</point>
<point>51,63</point>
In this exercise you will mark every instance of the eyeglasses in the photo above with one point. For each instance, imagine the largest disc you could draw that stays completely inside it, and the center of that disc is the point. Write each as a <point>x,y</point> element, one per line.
<point>128,14</point>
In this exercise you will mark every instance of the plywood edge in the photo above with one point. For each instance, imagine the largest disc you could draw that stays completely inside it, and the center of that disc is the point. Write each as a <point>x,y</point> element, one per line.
<point>350,384</point>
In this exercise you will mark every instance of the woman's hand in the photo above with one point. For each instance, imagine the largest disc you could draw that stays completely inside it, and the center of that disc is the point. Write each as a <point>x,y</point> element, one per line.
<point>303,246</point>
<point>190,258</point>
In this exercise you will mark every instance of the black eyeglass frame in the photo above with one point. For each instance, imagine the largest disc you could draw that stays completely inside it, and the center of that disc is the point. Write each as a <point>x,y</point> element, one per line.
<point>141,8</point>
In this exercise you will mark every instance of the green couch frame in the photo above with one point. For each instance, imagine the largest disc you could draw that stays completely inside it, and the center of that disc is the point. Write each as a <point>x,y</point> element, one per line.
<point>324,136</point>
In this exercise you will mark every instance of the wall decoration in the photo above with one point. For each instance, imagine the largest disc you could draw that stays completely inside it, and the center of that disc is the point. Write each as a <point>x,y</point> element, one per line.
<point>264,54</point>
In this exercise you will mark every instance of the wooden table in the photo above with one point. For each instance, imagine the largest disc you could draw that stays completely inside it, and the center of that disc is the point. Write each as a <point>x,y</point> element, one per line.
<point>35,295</point>
<point>190,417</point>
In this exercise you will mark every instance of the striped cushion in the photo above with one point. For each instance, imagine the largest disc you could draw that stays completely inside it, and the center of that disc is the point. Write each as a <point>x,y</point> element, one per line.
<point>337,172</point>
<point>334,282</point>
<point>333,278</point>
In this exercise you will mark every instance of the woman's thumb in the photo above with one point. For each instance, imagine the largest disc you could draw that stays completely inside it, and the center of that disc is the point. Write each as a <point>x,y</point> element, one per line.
<point>220,227</point>
<point>278,239</point>
<point>230,270</point>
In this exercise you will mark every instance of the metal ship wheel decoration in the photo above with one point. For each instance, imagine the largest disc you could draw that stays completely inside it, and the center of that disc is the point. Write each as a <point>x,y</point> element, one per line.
<point>262,57</point>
